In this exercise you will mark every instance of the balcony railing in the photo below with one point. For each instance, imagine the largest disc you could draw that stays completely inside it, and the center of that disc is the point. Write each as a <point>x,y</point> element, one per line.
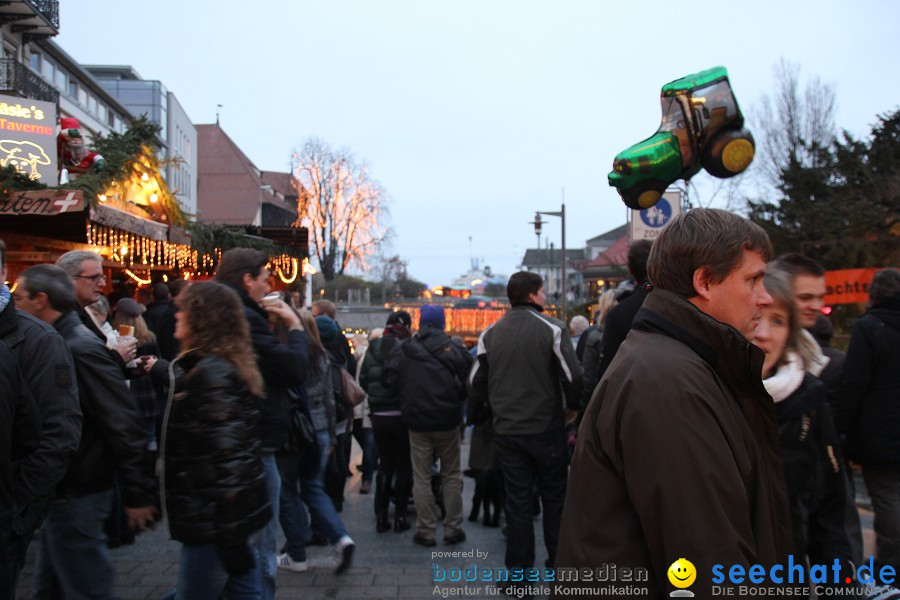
<point>48,8</point>
<point>19,80</point>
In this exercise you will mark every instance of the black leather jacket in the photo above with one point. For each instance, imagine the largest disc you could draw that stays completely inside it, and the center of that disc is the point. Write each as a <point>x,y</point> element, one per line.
<point>20,432</point>
<point>49,375</point>
<point>213,478</point>
<point>111,436</point>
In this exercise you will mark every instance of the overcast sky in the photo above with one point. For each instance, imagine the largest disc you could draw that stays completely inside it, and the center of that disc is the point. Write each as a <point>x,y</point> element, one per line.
<point>474,114</point>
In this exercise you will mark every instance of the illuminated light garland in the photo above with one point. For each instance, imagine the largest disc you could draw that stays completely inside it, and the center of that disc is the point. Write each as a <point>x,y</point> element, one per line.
<point>295,270</point>
<point>129,248</point>
<point>138,279</point>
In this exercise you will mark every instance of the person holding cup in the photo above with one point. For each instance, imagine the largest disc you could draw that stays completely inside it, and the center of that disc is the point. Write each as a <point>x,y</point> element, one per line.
<point>282,365</point>
<point>131,328</point>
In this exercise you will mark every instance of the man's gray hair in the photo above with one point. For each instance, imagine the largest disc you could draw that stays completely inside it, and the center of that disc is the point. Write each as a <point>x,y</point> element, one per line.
<point>70,262</point>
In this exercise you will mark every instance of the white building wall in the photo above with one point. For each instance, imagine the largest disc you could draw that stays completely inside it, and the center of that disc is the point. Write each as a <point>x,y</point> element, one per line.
<point>181,172</point>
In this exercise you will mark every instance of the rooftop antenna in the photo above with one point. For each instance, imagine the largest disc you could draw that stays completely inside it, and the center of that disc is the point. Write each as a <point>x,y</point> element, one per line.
<point>218,106</point>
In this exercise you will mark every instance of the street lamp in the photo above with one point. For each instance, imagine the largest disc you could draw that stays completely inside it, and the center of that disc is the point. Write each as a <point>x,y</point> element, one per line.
<point>538,223</point>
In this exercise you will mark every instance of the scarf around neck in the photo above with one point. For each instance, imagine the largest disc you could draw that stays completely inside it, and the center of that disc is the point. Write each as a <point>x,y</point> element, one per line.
<point>787,379</point>
<point>4,297</point>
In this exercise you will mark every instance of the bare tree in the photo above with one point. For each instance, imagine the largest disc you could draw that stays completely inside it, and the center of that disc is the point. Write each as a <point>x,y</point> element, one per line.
<point>344,206</point>
<point>793,126</point>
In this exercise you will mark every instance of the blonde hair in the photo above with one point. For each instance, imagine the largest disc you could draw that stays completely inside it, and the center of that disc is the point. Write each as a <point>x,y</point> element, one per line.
<point>604,305</point>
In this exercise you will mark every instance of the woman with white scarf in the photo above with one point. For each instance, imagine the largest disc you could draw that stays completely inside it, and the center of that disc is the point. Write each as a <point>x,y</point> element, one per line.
<point>812,466</point>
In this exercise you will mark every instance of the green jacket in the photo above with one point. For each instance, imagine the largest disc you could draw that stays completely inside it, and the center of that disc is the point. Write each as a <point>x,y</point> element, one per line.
<point>380,399</point>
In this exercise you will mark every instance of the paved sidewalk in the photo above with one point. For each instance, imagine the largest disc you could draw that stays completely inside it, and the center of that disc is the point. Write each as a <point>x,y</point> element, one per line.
<point>386,565</point>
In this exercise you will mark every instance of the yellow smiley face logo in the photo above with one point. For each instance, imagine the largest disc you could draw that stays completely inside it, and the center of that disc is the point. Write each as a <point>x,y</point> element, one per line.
<point>682,573</point>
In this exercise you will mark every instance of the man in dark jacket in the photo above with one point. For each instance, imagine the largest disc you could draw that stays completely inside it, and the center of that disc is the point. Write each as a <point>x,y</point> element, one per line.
<point>20,432</point>
<point>72,553</point>
<point>620,317</point>
<point>49,376</point>
<point>678,454</point>
<point>283,366</point>
<point>528,373</point>
<point>428,373</point>
<point>86,270</point>
<point>869,410</point>
<point>160,318</point>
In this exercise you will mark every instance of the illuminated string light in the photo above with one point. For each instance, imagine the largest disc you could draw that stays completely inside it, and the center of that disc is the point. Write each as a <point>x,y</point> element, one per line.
<point>140,281</point>
<point>295,271</point>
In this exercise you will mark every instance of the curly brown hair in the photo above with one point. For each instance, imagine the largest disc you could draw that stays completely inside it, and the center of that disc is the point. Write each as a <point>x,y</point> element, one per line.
<point>215,324</point>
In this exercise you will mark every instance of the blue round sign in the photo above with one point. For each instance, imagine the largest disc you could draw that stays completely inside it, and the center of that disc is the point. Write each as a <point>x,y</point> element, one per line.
<point>658,214</point>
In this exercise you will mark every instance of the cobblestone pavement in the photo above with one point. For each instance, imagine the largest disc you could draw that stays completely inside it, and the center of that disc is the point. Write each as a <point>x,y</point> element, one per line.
<point>386,565</point>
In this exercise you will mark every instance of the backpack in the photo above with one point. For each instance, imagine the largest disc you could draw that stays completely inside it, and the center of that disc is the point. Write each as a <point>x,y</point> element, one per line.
<point>430,390</point>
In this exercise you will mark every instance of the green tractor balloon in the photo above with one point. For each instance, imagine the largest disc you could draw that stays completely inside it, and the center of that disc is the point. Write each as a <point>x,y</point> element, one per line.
<point>702,127</point>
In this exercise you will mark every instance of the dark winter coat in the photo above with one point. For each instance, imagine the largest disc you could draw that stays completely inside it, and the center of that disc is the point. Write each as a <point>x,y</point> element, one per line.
<point>282,366</point>
<point>814,474</point>
<point>49,375</point>
<point>590,363</point>
<point>160,318</point>
<point>112,435</point>
<point>869,408</point>
<point>20,433</point>
<point>429,374</point>
<point>677,455</point>
<point>213,477</point>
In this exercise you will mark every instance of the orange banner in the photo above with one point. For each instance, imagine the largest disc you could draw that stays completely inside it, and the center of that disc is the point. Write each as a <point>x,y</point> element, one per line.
<point>848,286</point>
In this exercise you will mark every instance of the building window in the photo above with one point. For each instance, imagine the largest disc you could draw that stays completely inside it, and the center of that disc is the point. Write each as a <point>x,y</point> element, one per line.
<point>92,104</point>
<point>110,118</point>
<point>35,61</point>
<point>82,96</point>
<point>61,80</point>
<point>73,90</point>
<point>101,112</point>
<point>47,69</point>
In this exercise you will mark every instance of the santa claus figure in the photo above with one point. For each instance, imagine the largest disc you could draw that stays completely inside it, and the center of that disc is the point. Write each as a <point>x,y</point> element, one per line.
<point>73,156</point>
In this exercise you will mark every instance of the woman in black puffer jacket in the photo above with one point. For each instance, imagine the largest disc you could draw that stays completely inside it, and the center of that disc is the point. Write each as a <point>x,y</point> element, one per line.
<point>213,481</point>
<point>813,468</point>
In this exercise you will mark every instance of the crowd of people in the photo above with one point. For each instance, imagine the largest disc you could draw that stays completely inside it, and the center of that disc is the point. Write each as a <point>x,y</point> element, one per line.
<point>702,414</point>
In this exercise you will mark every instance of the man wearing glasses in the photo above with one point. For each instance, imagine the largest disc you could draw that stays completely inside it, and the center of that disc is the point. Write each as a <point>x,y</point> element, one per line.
<point>86,269</point>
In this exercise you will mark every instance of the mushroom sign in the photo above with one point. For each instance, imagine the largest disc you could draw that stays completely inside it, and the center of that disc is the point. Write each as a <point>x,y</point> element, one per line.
<point>73,156</point>
<point>23,156</point>
<point>702,127</point>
